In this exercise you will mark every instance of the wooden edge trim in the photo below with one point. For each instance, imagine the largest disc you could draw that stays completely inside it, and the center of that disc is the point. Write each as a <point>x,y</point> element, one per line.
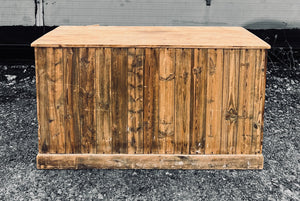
<point>53,45</point>
<point>148,161</point>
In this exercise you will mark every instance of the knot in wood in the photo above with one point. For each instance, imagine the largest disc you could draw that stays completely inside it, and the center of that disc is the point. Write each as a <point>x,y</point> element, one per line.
<point>170,77</point>
<point>231,115</point>
<point>197,70</point>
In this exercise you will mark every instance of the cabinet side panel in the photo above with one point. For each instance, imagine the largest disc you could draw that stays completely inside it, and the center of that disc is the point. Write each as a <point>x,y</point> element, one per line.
<point>42,99</point>
<point>119,100</point>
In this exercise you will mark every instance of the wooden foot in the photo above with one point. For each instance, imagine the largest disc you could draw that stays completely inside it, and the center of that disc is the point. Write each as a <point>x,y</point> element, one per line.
<point>148,161</point>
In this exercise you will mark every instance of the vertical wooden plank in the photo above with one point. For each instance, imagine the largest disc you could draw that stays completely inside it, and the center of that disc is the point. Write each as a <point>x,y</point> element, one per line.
<point>135,100</point>
<point>42,99</point>
<point>249,88</point>
<point>151,101</point>
<point>263,84</point>
<point>119,100</point>
<point>258,102</point>
<point>198,102</point>
<point>50,82</point>
<point>166,101</point>
<point>241,99</point>
<point>245,103</point>
<point>182,100</point>
<point>58,142</point>
<point>71,93</point>
<point>230,98</point>
<point>87,100</point>
<point>103,105</point>
<point>214,101</point>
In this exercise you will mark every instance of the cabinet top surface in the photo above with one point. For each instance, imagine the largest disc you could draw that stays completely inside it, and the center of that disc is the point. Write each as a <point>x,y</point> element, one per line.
<point>147,36</point>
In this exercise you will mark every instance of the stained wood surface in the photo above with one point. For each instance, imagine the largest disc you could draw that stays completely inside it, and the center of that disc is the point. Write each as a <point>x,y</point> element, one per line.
<point>148,161</point>
<point>166,104</point>
<point>87,94</point>
<point>150,100</point>
<point>214,101</point>
<point>135,100</point>
<point>182,100</point>
<point>198,101</point>
<point>155,36</point>
<point>42,100</point>
<point>151,77</point>
<point>71,88</point>
<point>119,100</point>
<point>230,101</point>
<point>103,100</point>
<point>259,101</point>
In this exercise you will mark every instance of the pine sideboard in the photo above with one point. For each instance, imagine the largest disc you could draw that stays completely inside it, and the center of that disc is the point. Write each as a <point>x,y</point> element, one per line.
<point>150,98</point>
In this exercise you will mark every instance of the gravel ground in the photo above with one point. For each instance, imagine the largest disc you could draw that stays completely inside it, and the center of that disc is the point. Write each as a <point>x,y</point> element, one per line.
<point>279,180</point>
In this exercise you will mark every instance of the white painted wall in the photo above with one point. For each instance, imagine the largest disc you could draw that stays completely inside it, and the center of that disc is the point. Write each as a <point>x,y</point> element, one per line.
<point>257,14</point>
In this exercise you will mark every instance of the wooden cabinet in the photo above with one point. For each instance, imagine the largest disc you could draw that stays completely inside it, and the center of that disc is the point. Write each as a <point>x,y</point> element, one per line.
<point>150,97</point>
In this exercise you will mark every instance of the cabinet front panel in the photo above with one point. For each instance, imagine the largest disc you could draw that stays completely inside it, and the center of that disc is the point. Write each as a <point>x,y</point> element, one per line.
<point>150,100</point>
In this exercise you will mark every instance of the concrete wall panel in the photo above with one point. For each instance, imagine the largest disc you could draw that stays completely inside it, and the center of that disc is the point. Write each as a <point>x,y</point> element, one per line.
<point>255,14</point>
<point>17,12</point>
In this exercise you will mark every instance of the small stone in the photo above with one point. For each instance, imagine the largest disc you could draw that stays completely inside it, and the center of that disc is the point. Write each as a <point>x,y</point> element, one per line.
<point>100,196</point>
<point>168,173</point>
<point>10,77</point>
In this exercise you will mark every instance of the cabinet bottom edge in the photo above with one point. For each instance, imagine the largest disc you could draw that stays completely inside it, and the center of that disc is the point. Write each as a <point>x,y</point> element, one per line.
<point>149,161</point>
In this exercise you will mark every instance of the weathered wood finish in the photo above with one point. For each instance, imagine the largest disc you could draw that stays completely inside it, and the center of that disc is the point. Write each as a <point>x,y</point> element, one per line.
<point>135,100</point>
<point>166,103</point>
<point>151,37</point>
<point>150,107</point>
<point>149,161</point>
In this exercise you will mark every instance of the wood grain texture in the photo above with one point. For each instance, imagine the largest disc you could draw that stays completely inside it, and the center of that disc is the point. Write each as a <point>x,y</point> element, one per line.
<point>135,100</point>
<point>246,98</point>
<point>151,77</point>
<point>170,108</point>
<point>148,161</point>
<point>263,94</point>
<point>42,99</point>
<point>182,100</point>
<point>198,101</point>
<point>249,87</point>
<point>214,101</point>
<point>71,95</point>
<point>56,103</point>
<point>166,102</point>
<point>230,100</point>
<point>103,100</point>
<point>87,94</point>
<point>258,106</point>
<point>150,36</point>
<point>119,100</point>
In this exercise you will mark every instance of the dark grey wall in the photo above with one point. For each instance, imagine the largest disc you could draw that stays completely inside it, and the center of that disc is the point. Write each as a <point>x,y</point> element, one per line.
<point>254,14</point>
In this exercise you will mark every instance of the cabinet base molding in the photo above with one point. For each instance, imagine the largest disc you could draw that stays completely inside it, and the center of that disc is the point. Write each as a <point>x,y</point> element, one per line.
<point>148,161</point>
